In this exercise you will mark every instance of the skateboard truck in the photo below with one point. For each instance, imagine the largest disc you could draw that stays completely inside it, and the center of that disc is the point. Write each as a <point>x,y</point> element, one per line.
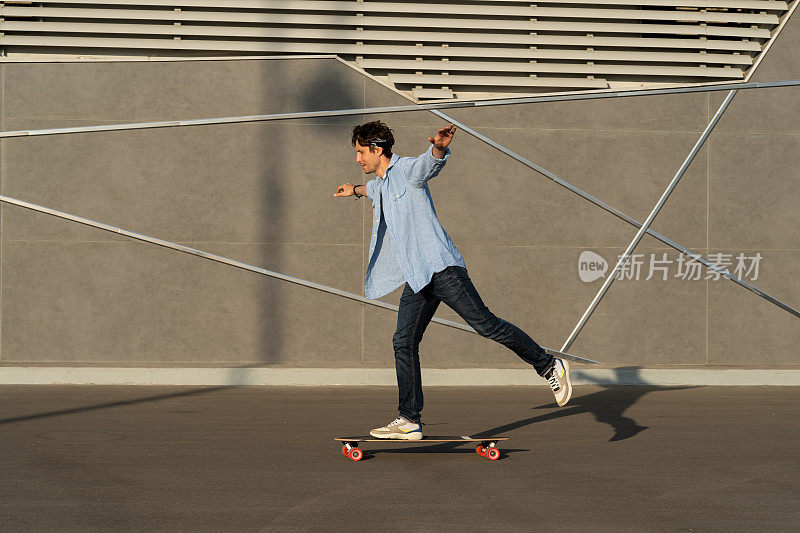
<point>352,451</point>
<point>488,450</point>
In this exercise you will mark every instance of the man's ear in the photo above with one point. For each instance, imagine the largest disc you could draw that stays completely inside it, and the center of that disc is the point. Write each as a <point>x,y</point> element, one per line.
<point>374,149</point>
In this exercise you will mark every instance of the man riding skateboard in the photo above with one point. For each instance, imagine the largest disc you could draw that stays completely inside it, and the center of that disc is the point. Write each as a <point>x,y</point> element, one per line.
<point>410,246</point>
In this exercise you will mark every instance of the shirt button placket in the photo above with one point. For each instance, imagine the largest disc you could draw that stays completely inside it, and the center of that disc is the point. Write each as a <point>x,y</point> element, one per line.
<point>375,225</point>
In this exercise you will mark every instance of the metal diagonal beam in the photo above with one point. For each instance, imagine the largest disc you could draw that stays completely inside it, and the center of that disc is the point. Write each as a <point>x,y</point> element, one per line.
<point>649,220</point>
<point>396,109</point>
<point>245,266</point>
<point>619,214</point>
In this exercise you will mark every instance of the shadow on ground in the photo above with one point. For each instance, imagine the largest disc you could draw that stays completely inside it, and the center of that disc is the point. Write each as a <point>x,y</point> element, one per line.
<point>108,405</point>
<point>607,406</point>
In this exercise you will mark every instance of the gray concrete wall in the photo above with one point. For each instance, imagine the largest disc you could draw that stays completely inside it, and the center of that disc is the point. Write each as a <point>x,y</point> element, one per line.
<point>261,193</point>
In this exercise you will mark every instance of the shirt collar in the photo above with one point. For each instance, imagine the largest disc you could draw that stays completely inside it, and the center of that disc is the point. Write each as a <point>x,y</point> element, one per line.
<point>392,161</point>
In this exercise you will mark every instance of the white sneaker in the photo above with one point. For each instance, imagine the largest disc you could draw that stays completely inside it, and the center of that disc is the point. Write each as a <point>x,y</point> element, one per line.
<point>399,428</point>
<point>558,379</point>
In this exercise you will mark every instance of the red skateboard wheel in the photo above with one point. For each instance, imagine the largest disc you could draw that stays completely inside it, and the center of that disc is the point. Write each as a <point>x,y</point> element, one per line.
<point>493,454</point>
<point>356,454</point>
<point>481,450</point>
<point>345,451</point>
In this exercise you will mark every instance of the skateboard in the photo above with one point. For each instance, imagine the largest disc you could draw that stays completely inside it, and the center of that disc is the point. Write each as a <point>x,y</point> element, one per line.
<point>487,447</point>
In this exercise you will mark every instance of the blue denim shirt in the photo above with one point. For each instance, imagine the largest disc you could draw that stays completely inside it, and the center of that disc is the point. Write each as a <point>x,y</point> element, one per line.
<point>408,243</point>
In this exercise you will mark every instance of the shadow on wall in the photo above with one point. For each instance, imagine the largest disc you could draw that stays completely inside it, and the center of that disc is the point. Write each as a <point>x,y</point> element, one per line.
<point>290,156</point>
<point>624,375</point>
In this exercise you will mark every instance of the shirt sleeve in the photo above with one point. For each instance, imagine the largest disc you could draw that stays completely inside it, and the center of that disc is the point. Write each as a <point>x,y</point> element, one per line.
<point>425,167</point>
<point>370,185</point>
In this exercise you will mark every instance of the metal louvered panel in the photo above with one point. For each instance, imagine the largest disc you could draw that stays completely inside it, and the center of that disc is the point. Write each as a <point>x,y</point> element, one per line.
<point>538,67</point>
<point>439,49</point>
<point>378,20</point>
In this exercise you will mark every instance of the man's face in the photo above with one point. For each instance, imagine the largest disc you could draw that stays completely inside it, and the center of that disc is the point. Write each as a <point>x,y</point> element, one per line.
<point>369,157</point>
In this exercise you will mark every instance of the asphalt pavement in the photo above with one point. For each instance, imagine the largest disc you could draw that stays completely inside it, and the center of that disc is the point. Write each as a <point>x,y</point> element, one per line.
<point>624,458</point>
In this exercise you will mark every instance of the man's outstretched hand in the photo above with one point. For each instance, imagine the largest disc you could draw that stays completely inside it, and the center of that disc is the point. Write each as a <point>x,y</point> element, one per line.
<point>347,189</point>
<point>442,139</point>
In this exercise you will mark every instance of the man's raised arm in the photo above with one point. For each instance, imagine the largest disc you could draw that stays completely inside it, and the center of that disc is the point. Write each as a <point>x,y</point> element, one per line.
<point>442,139</point>
<point>427,166</point>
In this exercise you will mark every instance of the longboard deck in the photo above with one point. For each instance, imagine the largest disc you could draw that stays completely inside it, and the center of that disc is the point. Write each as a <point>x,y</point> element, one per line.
<point>425,439</point>
<point>487,446</point>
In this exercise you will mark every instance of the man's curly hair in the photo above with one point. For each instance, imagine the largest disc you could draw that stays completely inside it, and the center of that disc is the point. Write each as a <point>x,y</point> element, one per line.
<point>374,133</point>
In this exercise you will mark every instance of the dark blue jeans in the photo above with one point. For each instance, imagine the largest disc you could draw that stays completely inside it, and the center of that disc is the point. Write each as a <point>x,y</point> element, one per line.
<point>453,287</point>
